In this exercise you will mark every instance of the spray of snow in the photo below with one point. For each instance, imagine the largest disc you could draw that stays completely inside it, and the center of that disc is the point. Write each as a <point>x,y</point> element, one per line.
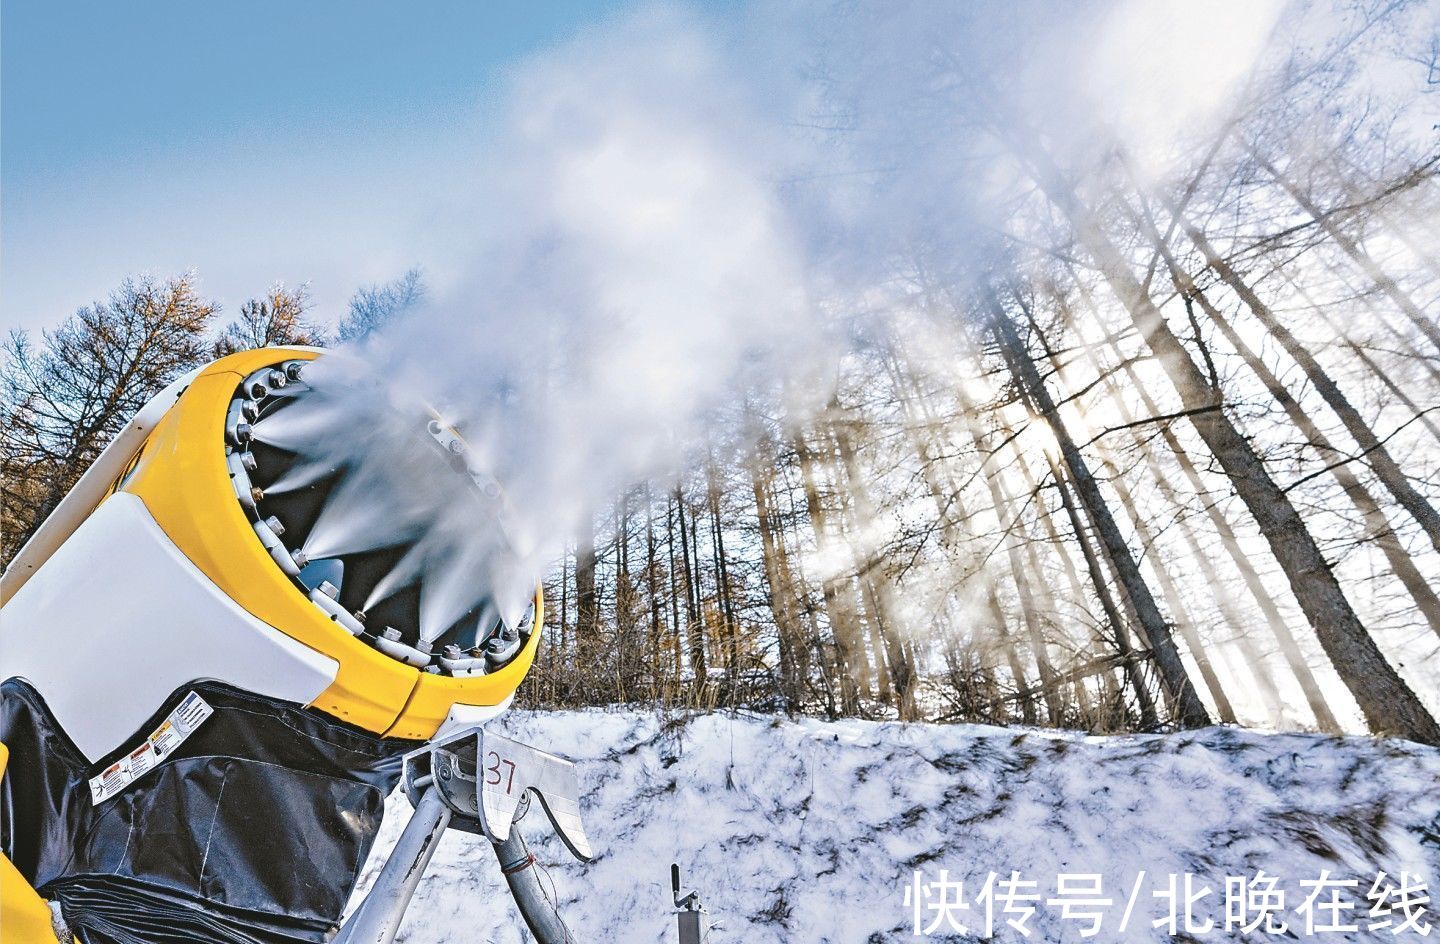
<point>681,216</point>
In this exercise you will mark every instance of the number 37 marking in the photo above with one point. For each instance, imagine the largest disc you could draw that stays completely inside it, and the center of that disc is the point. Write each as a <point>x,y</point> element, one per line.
<point>495,769</point>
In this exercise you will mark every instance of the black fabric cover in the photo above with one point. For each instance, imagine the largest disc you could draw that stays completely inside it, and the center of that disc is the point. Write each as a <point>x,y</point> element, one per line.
<point>252,831</point>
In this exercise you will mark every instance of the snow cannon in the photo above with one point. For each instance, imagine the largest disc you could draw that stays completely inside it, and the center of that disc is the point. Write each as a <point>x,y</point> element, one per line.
<point>202,711</point>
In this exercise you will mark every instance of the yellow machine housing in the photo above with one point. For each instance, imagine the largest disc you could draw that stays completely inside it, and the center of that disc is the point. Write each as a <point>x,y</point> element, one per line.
<point>178,470</point>
<point>180,474</point>
<point>151,578</point>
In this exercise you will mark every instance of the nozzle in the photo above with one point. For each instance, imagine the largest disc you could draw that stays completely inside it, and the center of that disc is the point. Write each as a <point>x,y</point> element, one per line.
<point>266,535</point>
<point>504,641</point>
<point>247,461</point>
<point>389,643</point>
<point>501,648</point>
<point>322,597</point>
<point>527,621</point>
<point>250,410</point>
<point>245,490</point>
<point>293,369</point>
<point>456,449</point>
<point>269,532</point>
<point>237,430</point>
<point>248,494</point>
<point>255,386</point>
<point>454,661</point>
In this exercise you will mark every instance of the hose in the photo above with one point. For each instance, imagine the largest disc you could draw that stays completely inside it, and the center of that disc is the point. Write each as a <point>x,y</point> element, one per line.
<point>536,907</point>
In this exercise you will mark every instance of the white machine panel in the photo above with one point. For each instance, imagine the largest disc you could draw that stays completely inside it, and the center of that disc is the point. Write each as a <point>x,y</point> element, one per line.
<point>118,618</point>
<point>470,716</point>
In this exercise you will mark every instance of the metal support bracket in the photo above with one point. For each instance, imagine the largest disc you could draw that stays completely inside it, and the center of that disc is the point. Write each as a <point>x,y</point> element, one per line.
<point>484,778</point>
<point>475,782</point>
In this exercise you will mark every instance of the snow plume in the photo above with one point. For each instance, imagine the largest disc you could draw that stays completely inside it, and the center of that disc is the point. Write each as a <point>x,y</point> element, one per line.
<point>676,216</point>
<point>634,272</point>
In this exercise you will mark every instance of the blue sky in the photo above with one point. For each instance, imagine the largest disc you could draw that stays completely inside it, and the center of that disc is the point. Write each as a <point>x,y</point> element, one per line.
<point>313,142</point>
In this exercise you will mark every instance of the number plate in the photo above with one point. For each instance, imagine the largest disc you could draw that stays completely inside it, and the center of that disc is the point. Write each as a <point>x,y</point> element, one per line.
<point>508,770</point>
<point>504,771</point>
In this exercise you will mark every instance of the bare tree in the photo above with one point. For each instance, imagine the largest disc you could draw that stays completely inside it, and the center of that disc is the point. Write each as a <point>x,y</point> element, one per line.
<point>1387,701</point>
<point>375,306</point>
<point>65,398</point>
<point>1185,702</point>
<point>277,318</point>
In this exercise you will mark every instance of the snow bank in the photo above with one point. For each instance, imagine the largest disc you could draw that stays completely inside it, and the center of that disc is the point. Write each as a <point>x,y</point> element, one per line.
<point>810,831</point>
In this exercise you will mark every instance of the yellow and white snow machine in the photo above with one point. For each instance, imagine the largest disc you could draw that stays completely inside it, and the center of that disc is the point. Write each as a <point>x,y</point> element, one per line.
<point>199,728</point>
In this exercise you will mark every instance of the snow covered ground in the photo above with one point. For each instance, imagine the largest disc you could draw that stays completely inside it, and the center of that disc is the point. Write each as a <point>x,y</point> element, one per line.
<point>811,832</point>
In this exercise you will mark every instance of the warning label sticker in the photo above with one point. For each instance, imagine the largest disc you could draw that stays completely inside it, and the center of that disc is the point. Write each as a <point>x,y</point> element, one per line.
<point>172,732</point>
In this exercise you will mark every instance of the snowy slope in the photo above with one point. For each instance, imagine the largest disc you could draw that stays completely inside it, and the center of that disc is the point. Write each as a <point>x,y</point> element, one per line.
<point>810,831</point>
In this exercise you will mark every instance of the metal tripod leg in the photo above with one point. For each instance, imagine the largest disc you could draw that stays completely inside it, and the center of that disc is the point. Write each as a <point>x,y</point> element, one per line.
<point>480,784</point>
<point>379,916</point>
<point>518,866</point>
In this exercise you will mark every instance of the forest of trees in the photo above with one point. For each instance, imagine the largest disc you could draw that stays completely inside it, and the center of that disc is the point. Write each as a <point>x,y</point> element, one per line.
<point>1172,459</point>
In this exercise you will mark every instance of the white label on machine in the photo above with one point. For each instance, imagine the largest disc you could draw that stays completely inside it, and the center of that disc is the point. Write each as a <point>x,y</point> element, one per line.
<point>172,732</point>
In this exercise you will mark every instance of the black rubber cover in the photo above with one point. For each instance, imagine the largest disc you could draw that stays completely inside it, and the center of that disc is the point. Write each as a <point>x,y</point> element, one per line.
<point>252,831</point>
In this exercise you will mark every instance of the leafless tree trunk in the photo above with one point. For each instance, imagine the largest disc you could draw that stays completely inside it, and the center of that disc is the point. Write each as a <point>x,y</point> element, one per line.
<point>876,585</point>
<point>1383,375</point>
<point>1011,536</point>
<point>694,628</point>
<point>1377,526</point>
<point>950,510</point>
<point>1185,703</point>
<point>1129,663</point>
<point>587,610</point>
<point>1388,703</point>
<point>652,589</point>
<point>1173,599</point>
<point>730,626</point>
<point>1424,323</point>
<point>781,594</point>
<point>675,584</point>
<point>1047,598</point>
<point>1254,583</point>
<point>1224,602</point>
<point>1379,458</point>
<point>840,607</point>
